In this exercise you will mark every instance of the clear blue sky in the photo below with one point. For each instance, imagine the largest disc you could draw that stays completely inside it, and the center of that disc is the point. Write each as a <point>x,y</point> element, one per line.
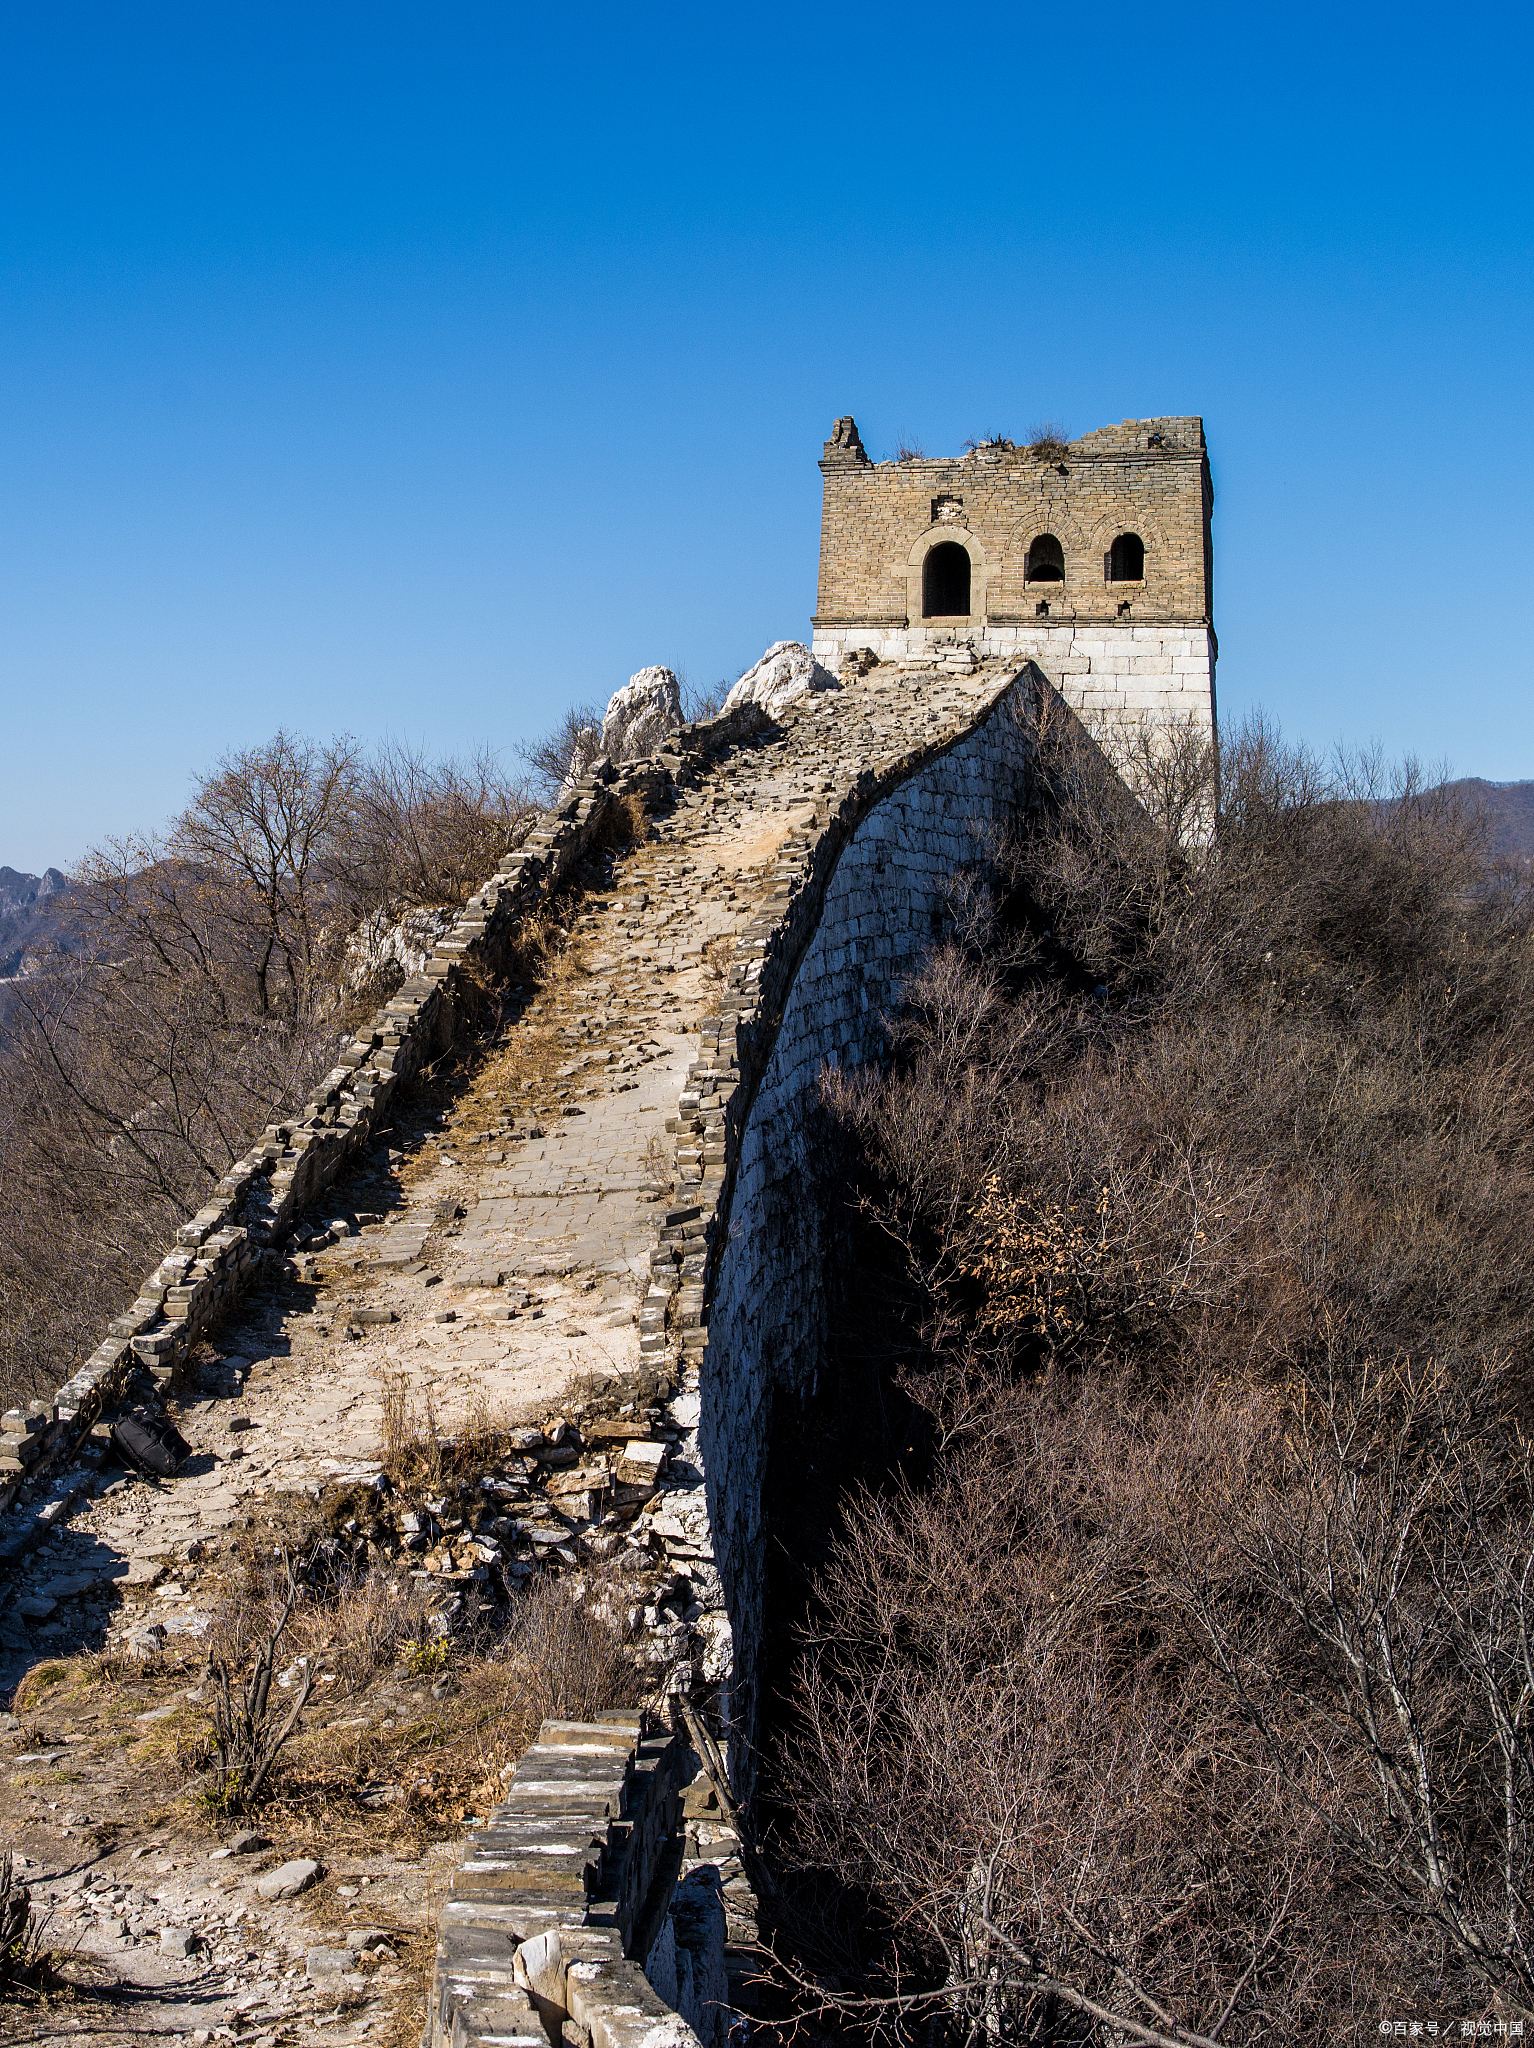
<point>417,369</point>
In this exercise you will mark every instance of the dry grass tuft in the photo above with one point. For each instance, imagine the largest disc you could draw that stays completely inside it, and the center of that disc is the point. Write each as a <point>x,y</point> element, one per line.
<point>43,1683</point>
<point>420,1459</point>
<point>1049,441</point>
<point>567,1657</point>
<point>717,955</point>
<point>625,822</point>
<point>361,1630</point>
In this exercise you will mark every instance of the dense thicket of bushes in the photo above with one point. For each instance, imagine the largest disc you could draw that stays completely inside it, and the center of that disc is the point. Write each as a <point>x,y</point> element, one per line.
<point>1187,1696</point>
<point>201,986</point>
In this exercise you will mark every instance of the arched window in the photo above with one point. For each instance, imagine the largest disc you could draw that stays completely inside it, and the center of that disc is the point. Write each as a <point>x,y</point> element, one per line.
<point>945,582</point>
<point>1126,559</point>
<point>1046,559</point>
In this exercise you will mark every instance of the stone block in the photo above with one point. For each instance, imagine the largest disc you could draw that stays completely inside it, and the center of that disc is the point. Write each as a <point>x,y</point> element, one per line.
<point>288,1879</point>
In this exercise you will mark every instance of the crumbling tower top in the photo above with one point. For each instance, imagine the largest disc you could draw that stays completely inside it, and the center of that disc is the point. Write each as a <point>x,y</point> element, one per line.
<point>1093,556</point>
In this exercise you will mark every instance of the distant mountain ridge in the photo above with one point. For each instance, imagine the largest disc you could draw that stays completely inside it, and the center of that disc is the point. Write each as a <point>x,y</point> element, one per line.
<point>30,913</point>
<point>1510,809</point>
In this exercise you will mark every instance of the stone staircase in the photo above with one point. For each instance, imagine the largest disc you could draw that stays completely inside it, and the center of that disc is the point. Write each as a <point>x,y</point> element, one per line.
<point>561,1893</point>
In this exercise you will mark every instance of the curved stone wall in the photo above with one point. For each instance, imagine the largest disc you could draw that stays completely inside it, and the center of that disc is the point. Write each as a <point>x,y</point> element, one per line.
<point>887,900</point>
<point>859,905</point>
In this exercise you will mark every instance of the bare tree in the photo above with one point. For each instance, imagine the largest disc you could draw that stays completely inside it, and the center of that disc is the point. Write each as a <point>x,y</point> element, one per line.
<point>563,754</point>
<point>264,831</point>
<point>429,832</point>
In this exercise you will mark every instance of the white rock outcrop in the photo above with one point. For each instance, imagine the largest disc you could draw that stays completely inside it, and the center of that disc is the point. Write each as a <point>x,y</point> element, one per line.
<point>641,714</point>
<point>785,673</point>
<point>384,937</point>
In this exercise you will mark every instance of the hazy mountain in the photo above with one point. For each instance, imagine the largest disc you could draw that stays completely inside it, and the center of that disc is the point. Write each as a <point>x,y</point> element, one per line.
<point>30,911</point>
<point>1510,806</point>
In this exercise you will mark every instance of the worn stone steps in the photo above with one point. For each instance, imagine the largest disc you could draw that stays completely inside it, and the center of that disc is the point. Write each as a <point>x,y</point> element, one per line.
<point>562,1867</point>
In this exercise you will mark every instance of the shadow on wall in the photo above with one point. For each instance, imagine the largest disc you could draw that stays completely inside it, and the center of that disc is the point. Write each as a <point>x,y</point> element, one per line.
<point>884,902</point>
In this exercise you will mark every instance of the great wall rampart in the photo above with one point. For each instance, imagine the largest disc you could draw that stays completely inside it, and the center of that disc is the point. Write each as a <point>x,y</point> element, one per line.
<point>817,851</point>
<point>790,872</point>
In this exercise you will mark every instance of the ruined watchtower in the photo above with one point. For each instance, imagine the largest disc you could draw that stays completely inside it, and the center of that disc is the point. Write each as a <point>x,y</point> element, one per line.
<point>1092,557</point>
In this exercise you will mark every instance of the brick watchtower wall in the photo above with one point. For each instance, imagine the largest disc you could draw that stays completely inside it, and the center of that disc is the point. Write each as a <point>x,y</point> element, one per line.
<point>1051,539</point>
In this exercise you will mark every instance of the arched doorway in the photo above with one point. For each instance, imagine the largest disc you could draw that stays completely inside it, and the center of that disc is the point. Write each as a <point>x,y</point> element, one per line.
<point>945,582</point>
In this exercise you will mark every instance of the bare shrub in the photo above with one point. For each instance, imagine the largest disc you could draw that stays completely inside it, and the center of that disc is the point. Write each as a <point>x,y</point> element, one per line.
<point>1162,1706</point>
<point>16,1932</point>
<point>359,1628</point>
<point>421,1458</point>
<point>1187,1697</point>
<point>658,1164</point>
<point>564,753</point>
<point>1049,441</point>
<point>411,1439</point>
<point>1394,1553</point>
<point>908,450</point>
<point>998,442</point>
<point>565,1653</point>
<point>429,832</point>
<point>249,1729</point>
<point>702,701</point>
<point>29,1969</point>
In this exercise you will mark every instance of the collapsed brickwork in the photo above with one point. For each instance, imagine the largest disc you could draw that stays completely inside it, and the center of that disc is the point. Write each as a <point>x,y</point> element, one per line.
<point>1093,558</point>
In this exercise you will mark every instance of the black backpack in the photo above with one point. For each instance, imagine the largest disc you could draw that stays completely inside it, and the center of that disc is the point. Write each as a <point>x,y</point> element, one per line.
<point>151,1442</point>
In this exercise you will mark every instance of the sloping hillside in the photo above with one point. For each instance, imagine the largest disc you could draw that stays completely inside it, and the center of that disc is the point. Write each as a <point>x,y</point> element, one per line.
<point>1510,806</point>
